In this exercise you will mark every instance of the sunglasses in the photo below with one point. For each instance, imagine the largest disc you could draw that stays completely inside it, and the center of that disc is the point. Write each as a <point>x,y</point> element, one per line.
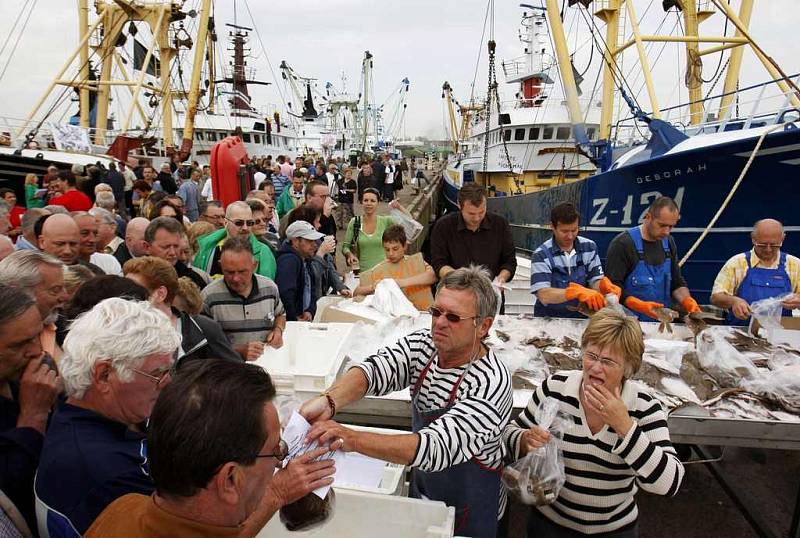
<point>449,316</point>
<point>240,223</point>
<point>280,455</point>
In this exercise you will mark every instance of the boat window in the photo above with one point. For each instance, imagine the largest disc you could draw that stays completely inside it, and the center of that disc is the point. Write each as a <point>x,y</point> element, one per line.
<point>562,133</point>
<point>590,133</point>
<point>533,133</point>
<point>548,133</point>
<point>257,138</point>
<point>507,135</point>
<point>198,135</point>
<point>519,134</point>
<point>212,136</point>
<point>245,137</point>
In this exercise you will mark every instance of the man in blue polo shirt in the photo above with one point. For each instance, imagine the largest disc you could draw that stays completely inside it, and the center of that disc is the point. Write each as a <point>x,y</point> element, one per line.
<point>566,269</point>
<point>117,358</point>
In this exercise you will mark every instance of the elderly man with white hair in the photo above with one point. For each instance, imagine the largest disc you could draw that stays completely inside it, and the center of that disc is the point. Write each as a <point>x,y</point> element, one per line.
<point>118,357</point>
<point>107,239</point>
<point>6,246</point>
<point>238,221</point>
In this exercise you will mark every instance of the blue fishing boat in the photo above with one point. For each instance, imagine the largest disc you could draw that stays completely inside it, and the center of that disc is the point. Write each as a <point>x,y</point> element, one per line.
<point>724,170</point>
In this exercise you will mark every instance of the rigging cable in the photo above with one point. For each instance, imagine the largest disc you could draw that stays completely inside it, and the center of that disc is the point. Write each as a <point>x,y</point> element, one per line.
<point>19,37</point>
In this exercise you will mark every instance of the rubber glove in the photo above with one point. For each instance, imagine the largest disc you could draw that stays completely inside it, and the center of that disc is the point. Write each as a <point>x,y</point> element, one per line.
<point>643,307</point>
<point>690,305</point>
<point>593,299</point>
<point>606,287</point>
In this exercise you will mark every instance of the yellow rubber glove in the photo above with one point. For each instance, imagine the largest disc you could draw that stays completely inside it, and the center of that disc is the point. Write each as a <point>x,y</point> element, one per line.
<point>591,298</point>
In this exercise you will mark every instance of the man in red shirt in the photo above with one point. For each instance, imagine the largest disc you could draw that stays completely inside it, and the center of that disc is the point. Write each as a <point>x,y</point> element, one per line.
<point>71,197</point>
<point>14,213</point>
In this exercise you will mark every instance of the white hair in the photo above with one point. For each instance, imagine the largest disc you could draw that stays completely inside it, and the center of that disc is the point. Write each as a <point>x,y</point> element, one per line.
<point>124,332</point>
<point>21,268</point>
<point>103,214</point>
<point>105,200</point>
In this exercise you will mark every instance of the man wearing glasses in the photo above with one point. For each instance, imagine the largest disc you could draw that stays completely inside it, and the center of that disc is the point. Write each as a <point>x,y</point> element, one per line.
<point>761,273</point>
<point>461,400</point>
<point>238,222</point>
<point>643,261</point>
<point>118,358</point>
<point>218,480</point>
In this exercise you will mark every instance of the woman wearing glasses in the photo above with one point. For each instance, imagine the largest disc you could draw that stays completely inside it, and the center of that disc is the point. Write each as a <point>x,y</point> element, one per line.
<point>618,440</point>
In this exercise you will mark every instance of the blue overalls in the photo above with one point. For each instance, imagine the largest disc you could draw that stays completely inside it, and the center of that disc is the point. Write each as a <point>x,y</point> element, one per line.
<point>560,278</point>
<point>761,283</point>
<point>471,487</point>
<point>649,282</point>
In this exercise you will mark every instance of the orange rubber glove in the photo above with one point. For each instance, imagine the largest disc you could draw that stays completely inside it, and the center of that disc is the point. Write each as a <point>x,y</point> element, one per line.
<point>593,299</point>
<point>643,307</point>
<point>606,287</point>
<point>690,305</point>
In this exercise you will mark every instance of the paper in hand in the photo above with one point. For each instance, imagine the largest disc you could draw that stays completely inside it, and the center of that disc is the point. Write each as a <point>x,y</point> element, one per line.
<point>295,434</point>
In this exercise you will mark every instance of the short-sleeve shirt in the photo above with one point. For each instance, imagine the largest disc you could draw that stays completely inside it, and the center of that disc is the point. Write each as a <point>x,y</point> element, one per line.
<point>244,319</point>
<point>731,276</point>
<point>583,249</point>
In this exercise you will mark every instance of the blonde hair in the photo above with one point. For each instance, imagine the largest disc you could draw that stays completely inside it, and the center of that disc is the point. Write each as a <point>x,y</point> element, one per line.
<point>609,328</point>
<point>188,297</point>
<point>31,179</point>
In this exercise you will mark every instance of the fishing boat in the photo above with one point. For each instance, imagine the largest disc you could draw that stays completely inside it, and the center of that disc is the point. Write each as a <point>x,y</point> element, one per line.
<point>727,160</point>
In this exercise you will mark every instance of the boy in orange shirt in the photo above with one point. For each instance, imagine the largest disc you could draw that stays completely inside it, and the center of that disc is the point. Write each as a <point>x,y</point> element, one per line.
<point>411,273</point>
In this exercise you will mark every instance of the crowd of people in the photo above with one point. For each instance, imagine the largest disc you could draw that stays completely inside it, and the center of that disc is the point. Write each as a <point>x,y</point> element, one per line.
<point>132,303</point>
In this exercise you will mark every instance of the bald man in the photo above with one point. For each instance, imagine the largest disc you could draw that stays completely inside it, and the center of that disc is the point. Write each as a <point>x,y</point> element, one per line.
<point>134,245</point>
<point>761,273</point>
<point>61,238</point>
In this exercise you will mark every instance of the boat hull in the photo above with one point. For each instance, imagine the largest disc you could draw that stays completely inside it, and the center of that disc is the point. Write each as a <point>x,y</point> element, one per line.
<point>699,180</point>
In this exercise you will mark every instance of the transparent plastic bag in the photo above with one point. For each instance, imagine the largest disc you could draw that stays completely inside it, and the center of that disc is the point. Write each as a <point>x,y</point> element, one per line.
<point>768,313</point>
<point>412,227</point>
<point>723,361</point>
<point>781,386</point>
<point>389,299</point>
<point>537,478</point>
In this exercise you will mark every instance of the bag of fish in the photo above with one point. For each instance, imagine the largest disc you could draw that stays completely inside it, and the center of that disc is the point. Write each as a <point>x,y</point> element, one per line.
<point>537,478</point>
<point>768,313</point>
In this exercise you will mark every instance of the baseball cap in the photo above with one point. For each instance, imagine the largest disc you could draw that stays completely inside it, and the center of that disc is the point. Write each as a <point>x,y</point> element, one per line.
<point>301,228</point>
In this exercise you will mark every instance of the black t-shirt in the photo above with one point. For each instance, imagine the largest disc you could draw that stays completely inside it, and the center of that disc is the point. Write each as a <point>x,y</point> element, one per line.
<point>347,197</point>
<point>622,257</point>
<point>327,225</point>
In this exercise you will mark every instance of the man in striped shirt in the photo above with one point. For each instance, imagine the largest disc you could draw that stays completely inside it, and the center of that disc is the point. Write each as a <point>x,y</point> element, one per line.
<point>566,270</point>
<point>461,395</point>
<point>247,306</point>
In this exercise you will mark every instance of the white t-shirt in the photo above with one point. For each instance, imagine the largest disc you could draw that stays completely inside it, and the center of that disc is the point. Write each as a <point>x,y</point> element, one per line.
<point>207,193</point>
<point>107,263</point>
<point>259,178</point>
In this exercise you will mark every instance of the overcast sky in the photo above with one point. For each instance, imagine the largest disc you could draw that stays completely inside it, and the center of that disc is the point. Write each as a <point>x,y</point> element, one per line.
<point>428,41</point>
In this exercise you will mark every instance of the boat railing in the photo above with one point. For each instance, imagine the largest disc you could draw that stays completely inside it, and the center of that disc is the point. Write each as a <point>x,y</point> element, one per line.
<point>752,106</point>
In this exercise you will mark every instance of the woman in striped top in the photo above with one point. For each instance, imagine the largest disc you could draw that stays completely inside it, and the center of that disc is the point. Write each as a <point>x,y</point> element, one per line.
<point>618,440</point>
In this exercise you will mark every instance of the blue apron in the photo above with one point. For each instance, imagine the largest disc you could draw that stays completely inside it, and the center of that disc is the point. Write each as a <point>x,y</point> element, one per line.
<point>471,487</point>
<point>560,278</point>
<point>649,282</point>
<point>760,283</point>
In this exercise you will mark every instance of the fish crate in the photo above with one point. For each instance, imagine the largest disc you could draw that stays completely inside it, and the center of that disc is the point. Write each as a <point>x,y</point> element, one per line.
<point>311,357</point>
<point>367,515</point>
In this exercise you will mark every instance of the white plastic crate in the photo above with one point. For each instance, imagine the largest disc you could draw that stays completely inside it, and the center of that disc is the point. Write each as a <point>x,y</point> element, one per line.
<point>393,473</point>
<point>369,515</point>
<point>310,358</point>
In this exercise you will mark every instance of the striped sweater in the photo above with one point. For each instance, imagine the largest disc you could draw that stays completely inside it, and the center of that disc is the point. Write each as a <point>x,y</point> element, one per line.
<point>473,427</point>
<point>604,471</point>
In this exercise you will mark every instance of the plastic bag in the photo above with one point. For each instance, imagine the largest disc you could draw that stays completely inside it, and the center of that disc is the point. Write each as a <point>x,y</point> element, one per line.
<point>537,478</point>
<point>723,361</point>
<point>412,227</point>
<point>781,386</point>
<point>308,512</point>
<point>389,299</point>
<point>768,313</point>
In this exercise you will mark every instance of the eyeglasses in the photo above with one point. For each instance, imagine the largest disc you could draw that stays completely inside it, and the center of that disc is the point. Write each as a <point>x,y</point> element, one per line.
<point>449,316</point>
<point>280,455</point>
<point>239,223</point>
<point>608,364</point>
<point>259,221</point>
<point>768,245</point>
<point>157,379</point>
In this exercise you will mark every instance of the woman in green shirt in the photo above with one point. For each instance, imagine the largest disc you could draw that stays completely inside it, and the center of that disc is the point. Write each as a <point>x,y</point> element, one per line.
<point>368,252</point>
<point>31,186</point>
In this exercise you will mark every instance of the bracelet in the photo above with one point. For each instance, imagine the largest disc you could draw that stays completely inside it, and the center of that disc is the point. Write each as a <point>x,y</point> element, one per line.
<point>331,403</point>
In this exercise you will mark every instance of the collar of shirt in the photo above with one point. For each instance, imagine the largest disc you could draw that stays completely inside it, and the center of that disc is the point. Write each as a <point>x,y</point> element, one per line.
<point>484,225</point>
<point>755,261</point>
<point>253,289</point>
